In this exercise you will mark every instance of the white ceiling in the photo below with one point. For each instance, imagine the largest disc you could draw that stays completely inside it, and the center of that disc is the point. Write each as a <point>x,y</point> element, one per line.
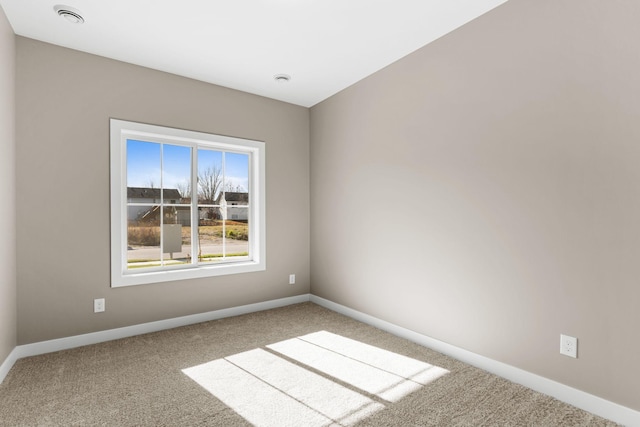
<point>324,45</point>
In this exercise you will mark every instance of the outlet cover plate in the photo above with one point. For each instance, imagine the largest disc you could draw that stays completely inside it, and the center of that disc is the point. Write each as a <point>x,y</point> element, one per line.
<point>569,346</point>
<point>98,305</point>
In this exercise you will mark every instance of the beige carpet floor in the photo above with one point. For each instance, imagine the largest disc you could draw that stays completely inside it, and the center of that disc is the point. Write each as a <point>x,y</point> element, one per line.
<point>300,365</point>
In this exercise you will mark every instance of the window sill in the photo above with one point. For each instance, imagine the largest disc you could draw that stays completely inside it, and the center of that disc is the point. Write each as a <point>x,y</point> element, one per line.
<point>119,279</point>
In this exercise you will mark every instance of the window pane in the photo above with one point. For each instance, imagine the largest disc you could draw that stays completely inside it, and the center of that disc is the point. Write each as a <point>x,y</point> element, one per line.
<point>143,237</point>
<point>236,173</point>
<point>237,232</point>
<point>209,234</point>
<point>209,176</point>
<point>176,173</point>
<point>143,165</point>
<point>214,248</point>
<point>176,249</point>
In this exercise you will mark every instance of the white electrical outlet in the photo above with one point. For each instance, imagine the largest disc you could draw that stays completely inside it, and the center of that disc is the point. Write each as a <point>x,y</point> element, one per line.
<point>292,279</point>
<point>98,305</point>
<point>569,346</point>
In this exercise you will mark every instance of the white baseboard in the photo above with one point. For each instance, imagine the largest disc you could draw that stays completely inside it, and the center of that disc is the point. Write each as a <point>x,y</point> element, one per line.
<point>8,364</point>
<point>144,328</point>
<point>588,402</point>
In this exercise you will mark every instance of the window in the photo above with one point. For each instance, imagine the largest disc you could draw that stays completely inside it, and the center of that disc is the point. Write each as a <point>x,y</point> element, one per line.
<point>184,204</point>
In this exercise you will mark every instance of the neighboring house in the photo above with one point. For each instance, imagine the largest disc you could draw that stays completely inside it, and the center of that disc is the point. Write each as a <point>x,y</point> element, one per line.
<point>152,195</point>
<point>236,205</point>
<point>150,214</point>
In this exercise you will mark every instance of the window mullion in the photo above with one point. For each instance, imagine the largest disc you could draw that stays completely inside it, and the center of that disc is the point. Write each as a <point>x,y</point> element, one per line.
<point>250,216</point>
<point>123,207</point>
<point>161,213</point>
<point>224,197</point>
<point>195,223</point>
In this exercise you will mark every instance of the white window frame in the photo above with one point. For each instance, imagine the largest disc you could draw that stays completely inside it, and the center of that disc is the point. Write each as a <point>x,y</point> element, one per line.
<point>121,131</point>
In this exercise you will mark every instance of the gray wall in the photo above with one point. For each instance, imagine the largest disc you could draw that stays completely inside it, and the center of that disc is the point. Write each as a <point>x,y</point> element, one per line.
<point>64,101</point>
<point>485,191</point>
<point>7,189</point>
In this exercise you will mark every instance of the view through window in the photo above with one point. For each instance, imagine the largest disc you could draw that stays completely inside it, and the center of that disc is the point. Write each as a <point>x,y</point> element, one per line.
<point>183,200</point>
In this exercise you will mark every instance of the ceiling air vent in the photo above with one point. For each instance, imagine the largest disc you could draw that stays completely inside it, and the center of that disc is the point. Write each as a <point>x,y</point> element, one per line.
<point>70,14</point>
<point>282,78</point>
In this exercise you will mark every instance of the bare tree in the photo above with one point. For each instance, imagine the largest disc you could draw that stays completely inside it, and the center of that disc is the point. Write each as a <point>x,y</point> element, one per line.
<point>184,188</point>
<point>230,188</point>
<point>209,183</point>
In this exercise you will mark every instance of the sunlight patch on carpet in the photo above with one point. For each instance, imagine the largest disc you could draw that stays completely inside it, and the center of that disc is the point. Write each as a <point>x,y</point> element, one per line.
<point>268,390</point>
<point>253,399</point>
<point>388,361</point>
<point>383,373</point>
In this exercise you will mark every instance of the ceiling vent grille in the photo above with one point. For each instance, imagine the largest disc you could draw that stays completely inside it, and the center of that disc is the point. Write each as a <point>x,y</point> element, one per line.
<point>282,78</point>
<point>69,14</point>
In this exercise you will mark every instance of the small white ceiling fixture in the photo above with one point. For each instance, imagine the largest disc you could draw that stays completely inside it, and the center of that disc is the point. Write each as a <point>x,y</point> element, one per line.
<point>282,78</point>
<point>70,14</point>
<point>326,45</point>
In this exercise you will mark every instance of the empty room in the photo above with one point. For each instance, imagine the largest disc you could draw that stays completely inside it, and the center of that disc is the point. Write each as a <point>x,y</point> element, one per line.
<point>315,213</point>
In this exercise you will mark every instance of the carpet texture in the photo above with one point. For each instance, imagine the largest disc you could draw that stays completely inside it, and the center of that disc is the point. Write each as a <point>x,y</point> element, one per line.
<point>300,365</point>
